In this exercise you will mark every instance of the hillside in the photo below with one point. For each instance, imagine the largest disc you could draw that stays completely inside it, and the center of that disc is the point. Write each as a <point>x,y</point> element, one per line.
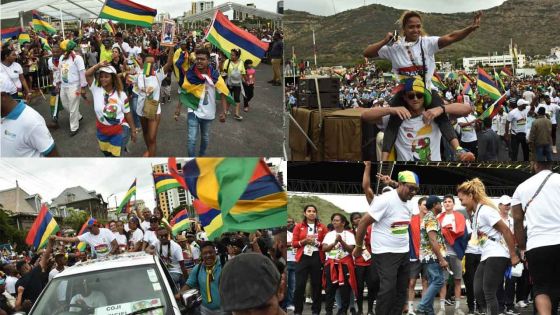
<point>325,208</point>
<point>341,38</point>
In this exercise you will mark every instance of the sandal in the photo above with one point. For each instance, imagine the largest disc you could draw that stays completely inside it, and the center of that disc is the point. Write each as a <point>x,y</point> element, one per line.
<point>222,118</point>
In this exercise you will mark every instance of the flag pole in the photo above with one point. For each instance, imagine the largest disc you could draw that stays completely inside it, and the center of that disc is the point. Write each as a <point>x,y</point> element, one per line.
<point>314,49</point>
<point>62,24</point>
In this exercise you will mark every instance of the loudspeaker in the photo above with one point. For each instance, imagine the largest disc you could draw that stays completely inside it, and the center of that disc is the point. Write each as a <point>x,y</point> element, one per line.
<point>328,100</point>
<point>326,85</point>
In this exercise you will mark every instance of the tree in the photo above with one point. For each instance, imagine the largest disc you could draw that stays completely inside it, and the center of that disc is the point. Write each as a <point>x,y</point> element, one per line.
<point>75,219</point>
<point>384,65</point>
<point>8,230</point>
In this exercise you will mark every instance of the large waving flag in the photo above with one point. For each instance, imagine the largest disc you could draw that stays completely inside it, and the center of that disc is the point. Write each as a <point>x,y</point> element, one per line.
<point>82,245</point>
<point>180,222</point>
<point>486,86</point>
<point>126,200</point>
<point>128,12</point>
<point>44,226</point>
<point>8,33</point>
<point>164,182</point>
<point>225,35</point>
<point>172,166</point>
<point>210,219</point>
<point>241,193</point>
<point>438,82</point>
<point>39,24</point>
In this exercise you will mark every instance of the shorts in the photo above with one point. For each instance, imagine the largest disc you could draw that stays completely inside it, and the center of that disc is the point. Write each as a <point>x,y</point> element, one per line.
<point>545,269</point>
<point>417,268</point>
<point>236,91</point>
<point>456,267</point>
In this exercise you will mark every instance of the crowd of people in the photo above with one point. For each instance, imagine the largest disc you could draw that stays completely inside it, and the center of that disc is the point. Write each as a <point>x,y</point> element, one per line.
<point>188,256</point>
<point>416,119</point>
<point>503,252</point>
<point>129,76</point>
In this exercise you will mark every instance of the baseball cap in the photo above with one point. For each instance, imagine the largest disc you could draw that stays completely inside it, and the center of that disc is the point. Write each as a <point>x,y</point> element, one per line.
<point>408,177</point>
<point>431,201</point>
<point>504,200</point>
<point>521,102</point>
<point>108,69</point>
<point>248,281</point>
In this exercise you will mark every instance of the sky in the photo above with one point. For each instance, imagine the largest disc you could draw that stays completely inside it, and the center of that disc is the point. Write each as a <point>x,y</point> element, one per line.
<point>49,177</point>
<point>329,7</point>
<point>178,7</point>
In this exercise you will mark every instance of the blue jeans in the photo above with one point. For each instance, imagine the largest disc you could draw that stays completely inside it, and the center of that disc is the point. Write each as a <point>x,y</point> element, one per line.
<point>291,283</point>
<point>133,104</point>
<point>126,138</point>
<point>435,281</point>
<point>544,152</point>
<point>194,123</point>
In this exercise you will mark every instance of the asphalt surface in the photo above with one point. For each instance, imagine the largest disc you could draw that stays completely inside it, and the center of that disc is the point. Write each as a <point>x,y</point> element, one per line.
<point>259,134</point>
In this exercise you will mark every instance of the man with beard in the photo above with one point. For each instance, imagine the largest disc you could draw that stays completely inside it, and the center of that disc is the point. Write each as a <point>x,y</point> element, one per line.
<point>171,254</point>
<point>391,213</point>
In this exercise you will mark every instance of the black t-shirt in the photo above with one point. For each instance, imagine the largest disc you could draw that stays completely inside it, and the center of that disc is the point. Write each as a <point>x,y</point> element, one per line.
<point>34,282</point>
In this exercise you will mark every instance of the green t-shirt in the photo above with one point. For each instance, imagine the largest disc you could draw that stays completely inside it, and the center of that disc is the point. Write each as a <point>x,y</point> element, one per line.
<point>106,54</point>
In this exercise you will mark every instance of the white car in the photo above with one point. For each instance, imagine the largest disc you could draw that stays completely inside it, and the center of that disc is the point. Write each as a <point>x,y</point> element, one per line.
<point>131,283</point>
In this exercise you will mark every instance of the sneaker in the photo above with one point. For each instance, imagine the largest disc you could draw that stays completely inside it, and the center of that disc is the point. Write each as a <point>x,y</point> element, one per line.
<point>308,301</point>
<point>458,311</point>
<point>419,312</point>
<point>521,304</point>
<point>291,308</point>
<point>412,312</point>
<point>75,132</point>
<point>512,311</point>
<point>238,117</point>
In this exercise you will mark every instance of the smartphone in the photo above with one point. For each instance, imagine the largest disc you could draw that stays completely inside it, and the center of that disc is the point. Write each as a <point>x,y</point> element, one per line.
<point>394,39</point>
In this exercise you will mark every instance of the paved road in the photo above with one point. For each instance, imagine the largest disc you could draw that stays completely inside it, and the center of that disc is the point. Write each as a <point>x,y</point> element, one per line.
<point>259,134</point>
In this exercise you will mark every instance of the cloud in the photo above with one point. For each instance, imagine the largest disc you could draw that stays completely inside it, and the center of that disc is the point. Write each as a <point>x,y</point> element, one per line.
<point>329,7</point>
<point>178,7</point>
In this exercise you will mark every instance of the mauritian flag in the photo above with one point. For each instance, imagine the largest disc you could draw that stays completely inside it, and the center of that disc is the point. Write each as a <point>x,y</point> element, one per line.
<point>82,245</point>
<point>44,226</point>
<point>109,27</point>
<point>24,38</point>
<point>486,86</point>
<point>225,35</point>
<point>148,69</point>
<point>164,182</point>
<point>45,43</point>
<point>210,219</point>
<point>243,192</point>
<point>172,166</point>
<point>505,72</point>
<point>128,12</point>
<point>195,88</point>
<point>499,81</point>
<point>493,109</point>
<point>180,222</point>
<point>438,82</point>
<point>8,33</point>
<point>467,90</point>
<point>126,200</point>
<point>39,24</point>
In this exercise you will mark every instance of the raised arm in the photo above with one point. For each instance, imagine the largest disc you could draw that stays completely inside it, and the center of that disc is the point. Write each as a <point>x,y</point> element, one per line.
<point>91,71</point>
<point>372,50</point>
<point>366,182</point>
<point>366,221</point>
<point>458,35</point>
<point>169,64</point>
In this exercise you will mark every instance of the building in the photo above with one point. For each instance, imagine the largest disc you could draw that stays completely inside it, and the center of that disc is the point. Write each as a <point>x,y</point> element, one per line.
<point>171,198</point>
<point>163,16</point>
<point>23,207</point>
<point>470,64</point>
<point>80,198</point>
<point>201,6</point>
<point>240,16</point>
<point>134,204</point>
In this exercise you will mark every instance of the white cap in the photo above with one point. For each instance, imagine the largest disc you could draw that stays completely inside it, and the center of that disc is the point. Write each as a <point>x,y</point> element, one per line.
<point>521,102</point>
<point>504,200</point>
<point>108,69</point>
<point>6,84</point>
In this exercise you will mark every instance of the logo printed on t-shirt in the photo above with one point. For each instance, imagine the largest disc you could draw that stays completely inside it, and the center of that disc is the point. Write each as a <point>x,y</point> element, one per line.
<point>400,227</point>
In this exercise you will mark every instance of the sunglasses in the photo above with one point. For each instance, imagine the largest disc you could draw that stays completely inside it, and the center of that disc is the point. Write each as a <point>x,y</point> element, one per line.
<point>417,95</point>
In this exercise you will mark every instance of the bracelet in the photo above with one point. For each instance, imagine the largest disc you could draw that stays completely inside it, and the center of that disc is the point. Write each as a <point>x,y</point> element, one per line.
<point>443,108</point>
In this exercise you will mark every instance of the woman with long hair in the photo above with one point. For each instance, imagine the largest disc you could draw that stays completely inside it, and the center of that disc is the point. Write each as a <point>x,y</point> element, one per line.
<point>15,71</point>
<point>339,266</point>
<point>365,272</point>
<point>135,235</point>
<point>148,106</point>
<point>307,240</point>
<point>111,108</point>
<point>495,239</point>
<point>236,74</point>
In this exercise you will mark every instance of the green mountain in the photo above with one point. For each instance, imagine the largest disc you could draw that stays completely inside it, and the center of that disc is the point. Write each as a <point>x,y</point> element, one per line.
<point>325,208</point>
<point>341,38</point>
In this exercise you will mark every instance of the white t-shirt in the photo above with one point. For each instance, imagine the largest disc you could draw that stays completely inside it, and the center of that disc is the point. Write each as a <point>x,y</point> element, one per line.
<point>291,253</point>
<point>311,230</point>
<point>55,71</point>
<point>528,96</point>
<point>121,240</point>
<point>171,255</point>
<point>338,252</point>
<point>543,214</point>
<point>11,284</point>
<point>136,237</point>
<point>61,290</point>
<point>94,300</point>
<point>400,59</point>
<point>70,70</point>
<point>551,111</point>
<point>195,251</point>
<point>150,237</point>
<point>484,220</point>
<point>145,225</point>
<point>499,124</point>
<point>207,105</point>
<point>113,112</point>
<point>13,71</point>
<point>151,83</point>
<point>100,243</point>
<point>24,133</point>
<point>471,248</point>
<point>417,141</point>
<point>449,219</point>
<point>392,217</point>
<point>125,47</point>
<point>468,133</point>
<point>135,51</point>
<point>517,120</point>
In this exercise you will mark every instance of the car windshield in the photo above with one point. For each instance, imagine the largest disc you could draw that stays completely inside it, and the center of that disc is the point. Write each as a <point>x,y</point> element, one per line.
<point>104,292</point>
